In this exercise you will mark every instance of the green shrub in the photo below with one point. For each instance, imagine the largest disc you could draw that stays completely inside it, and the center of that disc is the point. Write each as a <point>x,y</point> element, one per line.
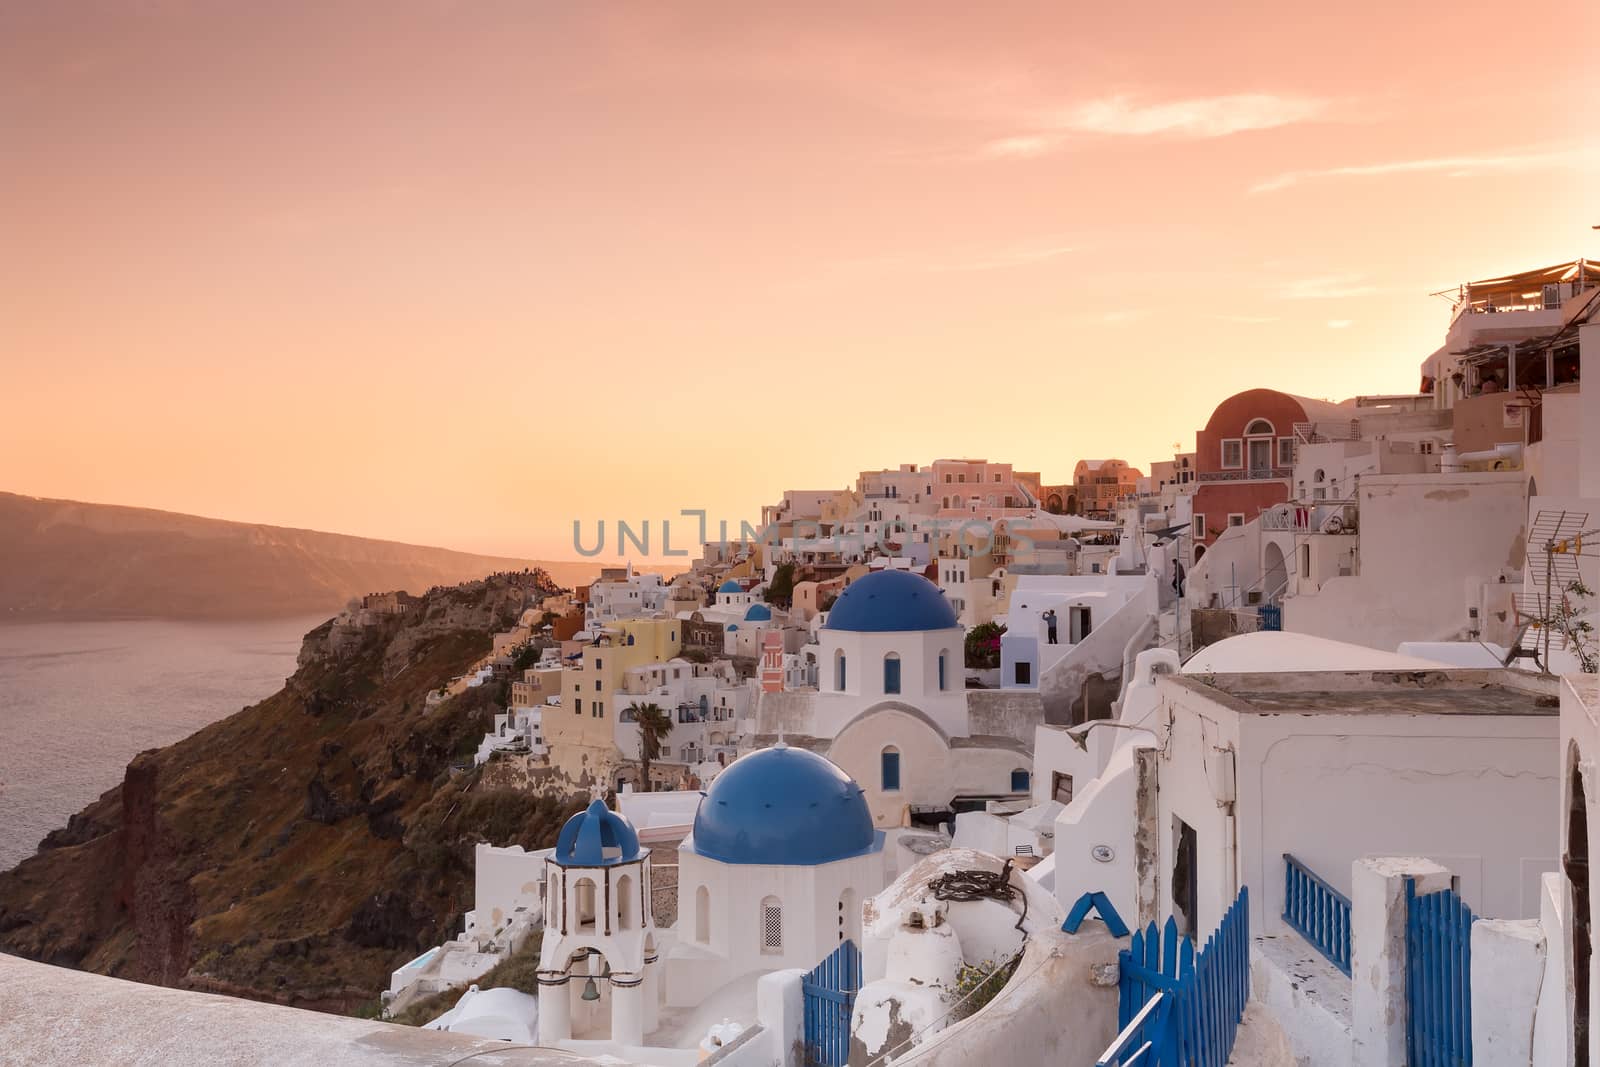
<point>977,984</point>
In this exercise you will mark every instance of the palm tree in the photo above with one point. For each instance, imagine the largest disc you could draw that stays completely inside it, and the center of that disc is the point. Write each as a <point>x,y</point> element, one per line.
<point>654,724</point>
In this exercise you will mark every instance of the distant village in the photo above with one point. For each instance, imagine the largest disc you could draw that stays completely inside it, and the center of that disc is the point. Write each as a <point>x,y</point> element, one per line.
<point>1279,751</point>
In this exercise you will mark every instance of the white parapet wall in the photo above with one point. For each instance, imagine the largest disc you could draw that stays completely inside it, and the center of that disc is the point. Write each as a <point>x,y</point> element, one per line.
<point>1508,963</point>
<point>55,1015</point>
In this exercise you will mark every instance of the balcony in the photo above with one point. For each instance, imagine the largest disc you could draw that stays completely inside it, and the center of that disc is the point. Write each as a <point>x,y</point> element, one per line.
<point>1262,474</point>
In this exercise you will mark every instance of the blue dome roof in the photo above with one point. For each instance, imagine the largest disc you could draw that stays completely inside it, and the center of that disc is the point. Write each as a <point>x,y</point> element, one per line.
<point>784,806</point>
<point>758,613</point>
<point>891,602</point>
<point>730,586</point>
<point>596,837</point>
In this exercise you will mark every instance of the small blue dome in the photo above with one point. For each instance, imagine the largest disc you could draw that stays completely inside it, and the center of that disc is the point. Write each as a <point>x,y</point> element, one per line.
<point>891,602</point>
<point>784,806</point>
<point>758,613</point>
<point>596,837</point>
<point>730,586</point>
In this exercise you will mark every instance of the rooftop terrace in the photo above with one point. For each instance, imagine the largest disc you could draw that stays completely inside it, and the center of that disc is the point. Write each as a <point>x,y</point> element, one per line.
<point>1399,692</point>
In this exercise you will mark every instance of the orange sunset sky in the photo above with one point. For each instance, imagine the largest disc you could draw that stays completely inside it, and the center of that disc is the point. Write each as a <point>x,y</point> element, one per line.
<point>459,273</point>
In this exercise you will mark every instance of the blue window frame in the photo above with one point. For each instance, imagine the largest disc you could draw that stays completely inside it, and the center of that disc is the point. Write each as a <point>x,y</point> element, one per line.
<point>941,672</point>
<point>891,770</point>
<point>891,673</point>
<point>839,674</point>
<point>1021,781</point>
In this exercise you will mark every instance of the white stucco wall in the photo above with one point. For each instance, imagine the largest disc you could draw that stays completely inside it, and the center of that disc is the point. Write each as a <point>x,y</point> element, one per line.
<point>505,879</point>
<point>1472,792</point>
<point>814,900</point>
<point>1427,545</point>
<point>1589,447</point>
<point>864,677</point>
<point>932,772</point>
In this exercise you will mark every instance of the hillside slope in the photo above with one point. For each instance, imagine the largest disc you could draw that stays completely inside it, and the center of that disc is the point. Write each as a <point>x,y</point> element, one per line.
<point>61,558</point>
<point>304,847</point>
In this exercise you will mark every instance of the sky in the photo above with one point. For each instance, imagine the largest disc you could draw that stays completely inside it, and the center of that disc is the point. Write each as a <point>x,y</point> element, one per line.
<point>463,273</point>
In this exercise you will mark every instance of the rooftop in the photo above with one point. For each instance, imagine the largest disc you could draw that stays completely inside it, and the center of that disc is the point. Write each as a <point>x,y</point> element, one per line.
<point>1381,692</point>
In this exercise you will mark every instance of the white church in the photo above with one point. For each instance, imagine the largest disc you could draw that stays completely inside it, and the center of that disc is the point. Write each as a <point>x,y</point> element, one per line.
<point>891,706</point>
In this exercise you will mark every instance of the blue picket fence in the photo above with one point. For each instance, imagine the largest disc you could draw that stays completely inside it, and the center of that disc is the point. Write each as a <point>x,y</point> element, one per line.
<point>1438,979</point>
<point>828,993</point>
<point>1271,616</point>
<point>1318,911</point>
<point>1178,1007</point>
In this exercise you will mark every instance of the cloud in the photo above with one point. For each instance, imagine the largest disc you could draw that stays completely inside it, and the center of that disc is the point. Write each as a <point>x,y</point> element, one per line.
<point>1340,324</point>
<point>1247,320</point>
<point>1206,116</point>
<point>1016,257</point>
<point>1025,147</point>
<point>1327,287</point>
<point>1510,162</point>
<point>1122,116</point>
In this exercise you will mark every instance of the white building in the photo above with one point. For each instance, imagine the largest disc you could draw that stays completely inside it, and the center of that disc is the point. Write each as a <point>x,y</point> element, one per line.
<point>892,709</point>
<point>633,596</point>
<point>1078,605</point>
<point>782,855</point>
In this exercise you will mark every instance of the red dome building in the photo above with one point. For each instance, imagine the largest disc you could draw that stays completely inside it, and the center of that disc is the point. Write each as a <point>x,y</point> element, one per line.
<point>1244,458</point>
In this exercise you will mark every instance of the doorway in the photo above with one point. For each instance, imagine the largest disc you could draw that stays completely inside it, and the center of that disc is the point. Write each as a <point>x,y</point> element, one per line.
<point>1185,877</point>
<point>1575,864</point>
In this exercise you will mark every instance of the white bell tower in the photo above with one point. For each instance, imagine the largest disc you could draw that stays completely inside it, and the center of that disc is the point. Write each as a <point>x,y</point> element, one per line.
<point>597,965</point>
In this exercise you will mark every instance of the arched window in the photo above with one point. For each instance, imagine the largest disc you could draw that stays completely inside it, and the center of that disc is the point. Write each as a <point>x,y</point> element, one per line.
<point>630,639</point>
<point>705,705</point>
<point>583,902</point>
<point>627,909</point>
<point>772,925</point>
<point>1021,781</point>
<point>1259,428</point>
<point>702,915</point>
<point>838,671</point>
<point>891,769</point>
<point>1319,477</point>
<point>891,673</point>
<point>943,659</point>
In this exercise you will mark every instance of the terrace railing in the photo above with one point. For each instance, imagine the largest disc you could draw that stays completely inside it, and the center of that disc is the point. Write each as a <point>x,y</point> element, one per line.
<point>1179,1007</point>
<point>1319,912</point>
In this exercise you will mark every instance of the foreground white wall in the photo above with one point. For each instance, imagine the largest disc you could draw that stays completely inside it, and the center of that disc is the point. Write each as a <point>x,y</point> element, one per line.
<point>55,1015</point>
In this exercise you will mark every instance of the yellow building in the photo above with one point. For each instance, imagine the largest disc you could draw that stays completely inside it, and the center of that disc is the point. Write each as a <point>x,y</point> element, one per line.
<point>582,732</point>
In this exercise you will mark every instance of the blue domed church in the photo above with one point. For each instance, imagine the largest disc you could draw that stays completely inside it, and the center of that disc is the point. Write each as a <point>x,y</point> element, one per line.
<point>892,709</point>
<point>782,854</point>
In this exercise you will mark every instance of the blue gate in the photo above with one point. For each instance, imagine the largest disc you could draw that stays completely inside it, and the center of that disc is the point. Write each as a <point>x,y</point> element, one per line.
<point>1271,616</point>
<point>1199,996</point>
<point>829,991</point>
<point>1438,979</point>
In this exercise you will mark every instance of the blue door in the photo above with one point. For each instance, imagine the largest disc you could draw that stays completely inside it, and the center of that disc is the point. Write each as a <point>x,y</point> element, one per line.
<point>829,991</point>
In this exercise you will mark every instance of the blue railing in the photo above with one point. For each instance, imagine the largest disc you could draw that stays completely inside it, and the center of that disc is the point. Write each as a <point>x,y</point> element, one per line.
<point>1438,979</point>
<point>1178,1007</point>
<point>1318,911</point>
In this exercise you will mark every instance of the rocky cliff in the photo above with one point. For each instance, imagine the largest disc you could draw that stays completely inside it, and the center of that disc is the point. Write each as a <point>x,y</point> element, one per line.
<point>303,848</point>
<point>64,558</point>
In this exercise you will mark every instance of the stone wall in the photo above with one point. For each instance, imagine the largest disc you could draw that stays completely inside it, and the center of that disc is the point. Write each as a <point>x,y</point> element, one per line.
<point>1014,713</point>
